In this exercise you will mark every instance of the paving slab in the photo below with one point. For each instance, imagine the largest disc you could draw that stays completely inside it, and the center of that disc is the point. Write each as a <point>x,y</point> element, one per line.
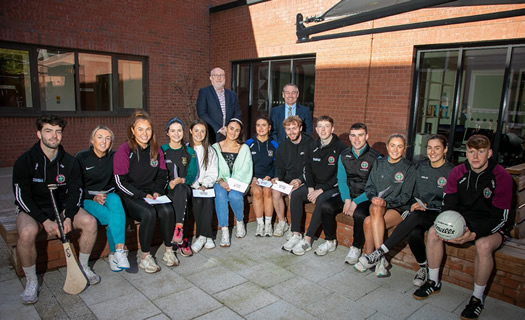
<point>246,298</point>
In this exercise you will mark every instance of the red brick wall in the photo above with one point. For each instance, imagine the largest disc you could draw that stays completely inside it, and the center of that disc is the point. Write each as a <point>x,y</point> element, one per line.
<point>173,35</point>
<point>363,78</point>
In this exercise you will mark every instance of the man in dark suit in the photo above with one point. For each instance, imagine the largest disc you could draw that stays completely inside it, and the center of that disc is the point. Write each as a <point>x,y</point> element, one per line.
<point>290,108</point>
<point>217,105</point>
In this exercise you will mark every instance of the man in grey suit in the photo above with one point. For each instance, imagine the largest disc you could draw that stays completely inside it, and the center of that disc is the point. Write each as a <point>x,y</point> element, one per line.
<point>217,105</point>
<point>290,108</point>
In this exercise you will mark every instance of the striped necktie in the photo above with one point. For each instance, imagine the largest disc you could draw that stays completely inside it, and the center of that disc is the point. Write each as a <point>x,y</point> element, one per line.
<point>289,112</point>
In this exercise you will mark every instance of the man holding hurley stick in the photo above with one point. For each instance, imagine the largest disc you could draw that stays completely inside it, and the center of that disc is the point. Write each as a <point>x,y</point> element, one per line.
<point>46,163</point>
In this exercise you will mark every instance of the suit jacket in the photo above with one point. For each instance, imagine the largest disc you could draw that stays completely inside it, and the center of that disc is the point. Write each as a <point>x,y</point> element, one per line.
<point>278,133</point>
<point>209,109</point>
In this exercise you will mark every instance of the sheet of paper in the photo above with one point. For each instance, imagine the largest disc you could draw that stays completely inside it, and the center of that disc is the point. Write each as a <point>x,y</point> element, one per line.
<point>282,187</point>
<point>264,183</point>
<point>383,193</point>
<point>237,185</point>
<point>422,205</point>
<point>158,200</point>
<point>94,193</point>
<point>208,193</point>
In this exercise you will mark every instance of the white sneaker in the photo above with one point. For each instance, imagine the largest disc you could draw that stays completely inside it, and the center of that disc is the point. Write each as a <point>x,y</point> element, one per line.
<point>327,246</point>
<point>421,276</point>
<point>120,258</point>
<point>148,264</point>
<point>30,294</point>
<point>112,264</point>
<point>353,255</point>
<point>241,231</point>
<point>210,244</point>
<point>170,259</point>
<point>280,229</point>
<point>197,245</point>
<point>289,234</point>
<point>92,277</point>
<point>381,271</point>
<point>259,231</point>
<point>225,239</point>
<point>360,267</point>
<point>290,244</point>
<point>268,230</point>
<point>301,247</point>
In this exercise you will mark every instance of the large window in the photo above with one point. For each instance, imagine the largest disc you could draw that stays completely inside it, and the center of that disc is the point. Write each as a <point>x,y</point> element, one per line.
<point>259,85</point>
<point>462,91</point>
<point>69,81</point>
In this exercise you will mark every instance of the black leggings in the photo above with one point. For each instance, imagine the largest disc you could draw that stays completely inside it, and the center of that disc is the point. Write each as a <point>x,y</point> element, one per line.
<point>414,226</point>
<point>179,197</point>
<point>332,207</point>
<point>297,201</point>
<point>203,213</point>
<point>140,210</point>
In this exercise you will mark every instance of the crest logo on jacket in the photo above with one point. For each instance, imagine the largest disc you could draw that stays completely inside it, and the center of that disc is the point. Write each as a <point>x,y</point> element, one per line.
<point>487,192</point>
<point>399,177</point>
<point>364,165</point>
<point>60,178</point>
<point>442,181</point>
<point>331,160</point>
<point>154,163</point>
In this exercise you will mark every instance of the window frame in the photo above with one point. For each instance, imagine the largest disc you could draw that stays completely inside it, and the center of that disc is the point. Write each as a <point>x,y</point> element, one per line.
<point>118,108</point>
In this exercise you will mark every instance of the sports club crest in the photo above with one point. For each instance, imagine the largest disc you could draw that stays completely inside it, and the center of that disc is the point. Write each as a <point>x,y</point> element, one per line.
<point>154,163</point>
<point>442,181</point>
<point>270,153</point>
<point>487,192</point>
<point>61,178</point>
<point>399,177</point>
<point>364,165</point>
<point>331,160</point>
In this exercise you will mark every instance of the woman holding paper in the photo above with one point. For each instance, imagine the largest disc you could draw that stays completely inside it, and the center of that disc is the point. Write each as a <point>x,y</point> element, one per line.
<point>203,193</point>
<point>263,151</point>
<point>141,176</point>
<point>235,173</point>
<point>100,200</point>
<point>389,186</point>
<point>431,180</point>
<point>182,170</point>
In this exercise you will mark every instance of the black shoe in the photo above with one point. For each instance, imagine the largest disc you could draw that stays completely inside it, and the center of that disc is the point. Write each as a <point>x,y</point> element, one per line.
<point>426,290</point>
<point>472,310</point>
<point>372,259</point>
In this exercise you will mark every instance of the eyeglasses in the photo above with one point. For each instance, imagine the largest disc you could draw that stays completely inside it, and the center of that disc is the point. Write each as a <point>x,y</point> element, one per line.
<point>218,75</point>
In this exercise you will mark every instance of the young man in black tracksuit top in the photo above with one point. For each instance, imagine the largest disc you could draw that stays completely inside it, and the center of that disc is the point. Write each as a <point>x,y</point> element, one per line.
<point>289,166</point>
<point>45,164</point>
<point>320,184</point>
<point>481,190</point>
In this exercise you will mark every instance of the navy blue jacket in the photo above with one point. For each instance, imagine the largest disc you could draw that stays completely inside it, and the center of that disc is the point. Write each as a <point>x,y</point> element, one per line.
<point>263,156</point>
<point>209,109</point>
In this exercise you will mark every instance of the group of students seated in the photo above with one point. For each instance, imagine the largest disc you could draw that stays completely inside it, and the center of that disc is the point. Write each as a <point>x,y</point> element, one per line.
<point>378,191</point>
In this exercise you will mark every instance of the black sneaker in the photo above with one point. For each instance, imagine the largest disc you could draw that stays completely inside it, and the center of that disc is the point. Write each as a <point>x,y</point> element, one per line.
<point>472,310</point>
<point>426,290</point>
<point>370,260</point>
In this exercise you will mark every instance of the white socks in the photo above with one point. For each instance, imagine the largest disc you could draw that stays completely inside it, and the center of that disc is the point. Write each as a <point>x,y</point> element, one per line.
<point>268,220</point>
<point>30,273</point>
<point>83,258</point>
<point>433,274</point>
<point>478,291</point>
<point>384,248</point>
<point>260,220</point>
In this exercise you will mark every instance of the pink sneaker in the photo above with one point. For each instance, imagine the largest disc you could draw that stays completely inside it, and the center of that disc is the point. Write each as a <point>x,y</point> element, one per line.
<point>177,235</point>
<point>184,248</point>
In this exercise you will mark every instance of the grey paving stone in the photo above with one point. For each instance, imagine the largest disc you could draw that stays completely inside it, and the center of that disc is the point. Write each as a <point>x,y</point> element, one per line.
<point>160,316</point>
<point>215,279</point>
<point>108,289</point>
<point>220,314</point>
<point>391,303</point>
<point>7,272</point>
<point>182,305</point>
<point>196,263</point>
<point>317,268</point>
<point>131,306</point>
<point>266,274</point>
<point>245,298</point>
<point>299,291</point>
<point>10,292</point>
<point>280,310</point>
<point>17,311</point>
<point>400,279</point>
<point>158,285</point>
<point>350,284</point>
<point>430,312</point>
<point>336,306</point>
<point>379,316</point>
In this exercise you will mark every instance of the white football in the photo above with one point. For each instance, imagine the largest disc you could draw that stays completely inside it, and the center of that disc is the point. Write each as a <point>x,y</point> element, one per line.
<point>449,225</point>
